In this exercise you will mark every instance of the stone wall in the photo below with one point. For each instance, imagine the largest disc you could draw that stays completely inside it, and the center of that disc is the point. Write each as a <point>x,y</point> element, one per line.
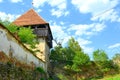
<point>15,49</point>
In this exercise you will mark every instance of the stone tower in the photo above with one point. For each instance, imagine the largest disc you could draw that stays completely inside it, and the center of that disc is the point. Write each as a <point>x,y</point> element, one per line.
<point>41,28</point>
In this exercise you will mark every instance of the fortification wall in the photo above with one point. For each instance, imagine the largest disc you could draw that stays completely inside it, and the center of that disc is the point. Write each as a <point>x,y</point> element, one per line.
<point>15,49</point>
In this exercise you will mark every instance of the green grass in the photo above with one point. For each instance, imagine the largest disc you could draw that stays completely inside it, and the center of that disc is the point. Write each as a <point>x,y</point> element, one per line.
<point>115,77</point>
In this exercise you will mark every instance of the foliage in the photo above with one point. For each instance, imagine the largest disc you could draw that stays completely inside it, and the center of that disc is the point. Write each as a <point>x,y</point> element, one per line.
<point>116,56</point>
<point>57,54</point>
<point>100,55</point>
<point>102,61</point>
<point>41,70</point>
<point>12,28</point>
<point>81,59</point>
<point>72,55</point>
<point>26,35</point>
<point>112,77</point>
<point>62,77</point>
<point>116,61</point>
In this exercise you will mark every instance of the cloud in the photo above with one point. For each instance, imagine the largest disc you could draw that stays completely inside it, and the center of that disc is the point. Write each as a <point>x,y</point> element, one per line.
<point>58,7</point>
<point>58,13</point>
<point>1,0</point>
<point>94,6</point>
<point>84,44</point>
<point>10,17</point>
<point>62,35</point>
<point>61,4</point>
<point>114,46</point>
<point>16,1</point>
<point>87,29</point>
<point>59,33</point>
<point>39,10</point>
<point>110,15</point>
<point>38,3</point>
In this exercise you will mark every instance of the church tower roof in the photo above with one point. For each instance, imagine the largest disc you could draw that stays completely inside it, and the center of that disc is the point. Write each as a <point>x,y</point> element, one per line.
<point>29,18</point>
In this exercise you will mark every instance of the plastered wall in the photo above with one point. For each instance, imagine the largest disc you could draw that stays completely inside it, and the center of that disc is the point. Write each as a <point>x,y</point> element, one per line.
<point>9,44</point>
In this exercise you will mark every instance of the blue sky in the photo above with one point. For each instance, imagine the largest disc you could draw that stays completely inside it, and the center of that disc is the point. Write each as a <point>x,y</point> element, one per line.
<point>95,24</point>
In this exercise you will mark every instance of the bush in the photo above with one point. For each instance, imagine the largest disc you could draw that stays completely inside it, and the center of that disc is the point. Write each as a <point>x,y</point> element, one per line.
<point>26,35</point>
<point>40,70</point>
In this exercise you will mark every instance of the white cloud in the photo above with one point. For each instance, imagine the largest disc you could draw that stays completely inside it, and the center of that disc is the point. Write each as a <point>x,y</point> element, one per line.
<point>88,50</point>
<point>16,1</point>
<point>10,17</point>
<point>58,13</point>
<point>38,3</point>
<point>63,36</point>
<point>84,44</point>
<point>94,6</point>
<point>59,33</point>
<point>58,7</point>
<point>1,0</point>
<point>87,30</point>
<point>110,15</point>
<point>39,10</point>
<point>61,4</point>
<point>114,46</point>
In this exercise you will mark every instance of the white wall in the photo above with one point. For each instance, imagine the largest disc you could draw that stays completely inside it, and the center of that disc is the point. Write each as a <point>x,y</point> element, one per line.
<point>8,43</point>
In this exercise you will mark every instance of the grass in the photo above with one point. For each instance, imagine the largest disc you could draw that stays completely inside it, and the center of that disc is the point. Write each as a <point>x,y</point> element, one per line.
<point>115,77</point>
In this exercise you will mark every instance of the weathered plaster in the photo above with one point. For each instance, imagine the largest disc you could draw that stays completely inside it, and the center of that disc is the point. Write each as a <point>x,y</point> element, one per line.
<point>9,44</point>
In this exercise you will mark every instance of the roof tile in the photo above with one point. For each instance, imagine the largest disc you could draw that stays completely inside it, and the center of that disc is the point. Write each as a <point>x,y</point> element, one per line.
<point>29,18</point>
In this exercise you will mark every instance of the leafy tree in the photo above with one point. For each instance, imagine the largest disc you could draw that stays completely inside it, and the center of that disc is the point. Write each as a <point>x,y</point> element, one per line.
<point>100,55</point>
<point>80,60</point>
<point>71,50</point>
<point>116,59</point>
<point>72,55</point>
<point>101,59</point>
<point>56,54</point>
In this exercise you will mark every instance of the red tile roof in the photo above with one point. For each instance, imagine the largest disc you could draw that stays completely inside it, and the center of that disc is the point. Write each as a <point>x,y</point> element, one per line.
<point>29,18</point>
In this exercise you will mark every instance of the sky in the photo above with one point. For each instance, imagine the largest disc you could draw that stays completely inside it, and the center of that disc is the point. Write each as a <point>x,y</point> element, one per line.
<point>95,24</point>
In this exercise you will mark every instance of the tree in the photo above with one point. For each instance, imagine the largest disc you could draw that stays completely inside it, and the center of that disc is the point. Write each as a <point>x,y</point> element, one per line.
<point>100,55</point>
<point>101,59</point>
<point>57,54</point>
<point>71,50</point>
<point>80,60</point>
<point>116,59</point>
<point>72,55</point>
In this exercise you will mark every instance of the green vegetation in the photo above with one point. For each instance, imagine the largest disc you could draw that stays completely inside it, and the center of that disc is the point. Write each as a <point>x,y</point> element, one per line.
<point>25,35</point>
<point>72,63</point>
<point>114,77</point>
<point>41,70</point>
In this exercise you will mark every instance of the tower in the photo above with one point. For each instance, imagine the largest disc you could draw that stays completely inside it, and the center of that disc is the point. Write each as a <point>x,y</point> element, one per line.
<point>41,28</point>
